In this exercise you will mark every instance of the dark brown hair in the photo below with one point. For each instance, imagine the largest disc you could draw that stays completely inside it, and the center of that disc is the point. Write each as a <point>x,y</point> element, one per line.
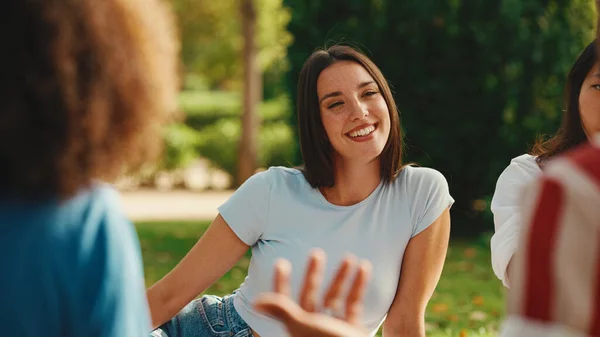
<point>571,132</point>
<point>315,146</point>
<point>84,87</point>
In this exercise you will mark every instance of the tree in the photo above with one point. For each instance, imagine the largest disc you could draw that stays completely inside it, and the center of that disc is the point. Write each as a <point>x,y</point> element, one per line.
<point>212,40</point>
<point>475,81</point>
<point>252,92</point>
<point>231,44</point>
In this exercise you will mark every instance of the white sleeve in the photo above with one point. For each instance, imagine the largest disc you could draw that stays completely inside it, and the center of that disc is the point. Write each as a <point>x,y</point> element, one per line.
<point>246,211</point>
<point>506,207</point>
<point>431,197</point>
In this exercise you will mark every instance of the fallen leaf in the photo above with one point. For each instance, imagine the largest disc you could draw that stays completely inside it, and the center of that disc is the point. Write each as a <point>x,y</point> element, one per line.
<point>453,318</point>
<point>440,307</point>
<point>470,253</point>
<point>478,300</point>
<point>465,266</point>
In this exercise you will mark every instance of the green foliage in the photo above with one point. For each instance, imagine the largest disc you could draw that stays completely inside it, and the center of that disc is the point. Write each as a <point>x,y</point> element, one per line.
<point>212,38</point>
<point>212,130</point>
<point>203,109</point>
<point>220,142</point>
<point>475,81</point>
<point>181,142</point>
<point>467,302</point>
<point>195,82</point>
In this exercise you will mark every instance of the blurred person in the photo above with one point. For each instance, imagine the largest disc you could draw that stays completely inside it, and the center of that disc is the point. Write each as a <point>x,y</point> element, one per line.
<point>352,196</point>
<point>84,86</point>
<point>555,284</point>
<point>555,276</point>
<point>581,120</point>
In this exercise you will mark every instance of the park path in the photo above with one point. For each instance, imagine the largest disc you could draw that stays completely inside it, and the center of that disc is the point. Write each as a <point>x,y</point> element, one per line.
<point>153,205</point>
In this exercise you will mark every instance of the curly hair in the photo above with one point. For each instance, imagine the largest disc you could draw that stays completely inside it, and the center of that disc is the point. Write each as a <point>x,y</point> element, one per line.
<point>84,88</point>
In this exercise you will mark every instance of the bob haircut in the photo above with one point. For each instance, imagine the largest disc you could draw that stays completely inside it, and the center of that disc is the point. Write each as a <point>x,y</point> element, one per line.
<point>315,146</point>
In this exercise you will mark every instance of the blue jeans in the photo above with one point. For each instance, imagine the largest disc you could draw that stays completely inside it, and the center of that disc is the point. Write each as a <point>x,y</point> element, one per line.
<point>208,316</point>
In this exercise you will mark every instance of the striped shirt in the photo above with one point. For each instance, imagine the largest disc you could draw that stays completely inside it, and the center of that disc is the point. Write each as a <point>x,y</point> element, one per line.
<point>555,273</point>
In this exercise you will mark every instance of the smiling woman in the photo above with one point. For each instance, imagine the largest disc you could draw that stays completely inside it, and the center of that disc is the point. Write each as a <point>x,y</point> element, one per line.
<point>352,96</point>
<point>352,197</point>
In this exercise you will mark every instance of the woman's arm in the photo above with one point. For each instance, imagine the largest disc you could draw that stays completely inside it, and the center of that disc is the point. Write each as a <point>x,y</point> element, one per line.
<point>211,257</point>
<point>506,207</point>
<point>421,269</point>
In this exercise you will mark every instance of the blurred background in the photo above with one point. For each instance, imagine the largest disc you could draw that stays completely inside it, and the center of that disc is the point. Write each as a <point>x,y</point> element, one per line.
<point>476,83</point>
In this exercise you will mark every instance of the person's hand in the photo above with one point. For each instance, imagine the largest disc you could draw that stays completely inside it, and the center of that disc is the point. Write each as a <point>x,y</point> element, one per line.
<point>303,320</point>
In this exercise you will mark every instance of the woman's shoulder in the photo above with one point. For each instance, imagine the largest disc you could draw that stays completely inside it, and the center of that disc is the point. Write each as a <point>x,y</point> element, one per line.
<point>525,160</point>
<point>418,175</point>
<point>421,182</point>
<point>276,174</point>
<point>521,169</point>
<point>98,196</point>
<point>274,177</point>
<point>281,171</point>
<point>92,215</point>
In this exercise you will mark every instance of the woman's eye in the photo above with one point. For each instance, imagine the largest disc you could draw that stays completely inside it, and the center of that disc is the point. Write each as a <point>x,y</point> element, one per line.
<point>333,105</point>
<point>596,86</point>
<point>370,93</point>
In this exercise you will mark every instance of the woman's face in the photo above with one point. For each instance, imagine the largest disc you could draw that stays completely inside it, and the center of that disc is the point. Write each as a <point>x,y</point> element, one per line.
<point>354,113</point>
<point>589,102</point>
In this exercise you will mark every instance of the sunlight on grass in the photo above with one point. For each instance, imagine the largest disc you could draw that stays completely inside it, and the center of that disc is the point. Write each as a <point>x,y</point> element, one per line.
<point>468,301</point>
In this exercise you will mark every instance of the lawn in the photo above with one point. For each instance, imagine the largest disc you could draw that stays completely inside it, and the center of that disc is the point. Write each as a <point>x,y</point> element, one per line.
<point>468,300</point>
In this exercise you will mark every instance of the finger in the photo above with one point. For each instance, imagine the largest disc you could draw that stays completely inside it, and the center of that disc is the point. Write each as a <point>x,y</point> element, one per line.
<point>333,294</point>
<point>278,306</point>
<point>354,301</point>
<point>312,280</point>
<point>281,277</point>
<point>326,326</point>
<point>301,323</point>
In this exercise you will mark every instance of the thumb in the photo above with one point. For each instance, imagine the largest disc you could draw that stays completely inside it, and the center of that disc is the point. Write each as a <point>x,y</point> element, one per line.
<point>279,307</point>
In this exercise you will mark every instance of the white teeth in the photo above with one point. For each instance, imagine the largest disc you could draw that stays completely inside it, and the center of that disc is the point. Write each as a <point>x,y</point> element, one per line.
<point>362,132</point>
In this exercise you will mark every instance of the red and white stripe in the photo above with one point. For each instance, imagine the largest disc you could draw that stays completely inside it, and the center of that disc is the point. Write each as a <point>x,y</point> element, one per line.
<point>555,275</point>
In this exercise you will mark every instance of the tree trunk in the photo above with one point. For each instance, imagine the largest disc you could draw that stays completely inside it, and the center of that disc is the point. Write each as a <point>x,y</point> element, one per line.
<point>248,147</point>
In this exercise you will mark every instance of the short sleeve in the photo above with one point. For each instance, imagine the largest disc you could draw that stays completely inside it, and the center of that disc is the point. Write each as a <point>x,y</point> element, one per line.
<point>506,208</point>
<point>113,293</point>
<point>429,196</point>
<point>246,211</point>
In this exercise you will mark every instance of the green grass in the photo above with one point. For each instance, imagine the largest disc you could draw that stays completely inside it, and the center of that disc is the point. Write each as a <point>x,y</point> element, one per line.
<point>467,302</point>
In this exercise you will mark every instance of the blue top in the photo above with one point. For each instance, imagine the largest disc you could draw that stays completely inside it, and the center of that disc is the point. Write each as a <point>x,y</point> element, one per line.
<point>279,214</point>
<point>71,269</point>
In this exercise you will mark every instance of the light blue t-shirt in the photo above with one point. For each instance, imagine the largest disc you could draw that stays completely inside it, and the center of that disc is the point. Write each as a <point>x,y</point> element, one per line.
<point>70,269</point>
<point>279,214</point>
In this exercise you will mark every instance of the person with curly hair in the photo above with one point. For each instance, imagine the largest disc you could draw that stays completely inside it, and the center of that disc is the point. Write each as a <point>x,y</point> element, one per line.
<point>84,87</point>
